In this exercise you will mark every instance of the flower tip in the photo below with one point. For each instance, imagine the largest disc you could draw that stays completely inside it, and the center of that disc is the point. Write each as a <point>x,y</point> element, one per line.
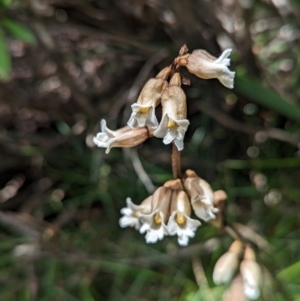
<point>122,222</point>
<point>252,293</point>
<point>216,279</point>
<point>103,125</point>
<point>98,142</point>
<point>128,201</point>
<point>227,51</point>
<point>227,79</point>
<point>183,241</point>
<point>190,173</point>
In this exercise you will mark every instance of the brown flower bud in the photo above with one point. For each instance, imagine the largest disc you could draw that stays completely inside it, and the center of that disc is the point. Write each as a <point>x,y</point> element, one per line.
<point>227,264</point>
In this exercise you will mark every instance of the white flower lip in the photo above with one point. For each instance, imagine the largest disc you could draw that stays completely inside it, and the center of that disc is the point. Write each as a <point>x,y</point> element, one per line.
<point>154,231</point>
<point>132,213</point>
<point>204,208</point>
<point>106,137</point>
<point>175,133</point>
<point>138,118</point>
<point>183,231</point>
<point>102,138</point>
<point>226,77</point>
<point>123,137</point>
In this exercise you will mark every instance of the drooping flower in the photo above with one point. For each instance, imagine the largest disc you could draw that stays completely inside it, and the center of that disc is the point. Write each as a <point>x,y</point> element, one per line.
<point>251,273</point>
<point>201,194</point>
<point>174,123</point>
<point>206,66</point>
<point>180,223</point>
<point>154,223</point>
<point>227,264</point>
<point>143,111</point>
<point>132,213</point>
<point>124,137</point>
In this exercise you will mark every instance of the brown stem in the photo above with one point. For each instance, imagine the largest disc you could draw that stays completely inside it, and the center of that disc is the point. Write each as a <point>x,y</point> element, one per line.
<point>176,163</point>
<point>234,233</point>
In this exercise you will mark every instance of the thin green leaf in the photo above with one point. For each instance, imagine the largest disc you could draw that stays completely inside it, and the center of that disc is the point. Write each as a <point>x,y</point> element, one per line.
<point>5,2</point>
<point>19,31</point>
<point>291,274</point>
<point>5,62</point>
<point>254,90</point>
<point>263,164</point>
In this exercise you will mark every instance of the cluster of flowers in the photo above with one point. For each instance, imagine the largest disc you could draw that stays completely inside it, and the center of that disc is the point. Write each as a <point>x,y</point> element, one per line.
<point>168,210</point>
<point>143,124</point>
<point>250,270</point>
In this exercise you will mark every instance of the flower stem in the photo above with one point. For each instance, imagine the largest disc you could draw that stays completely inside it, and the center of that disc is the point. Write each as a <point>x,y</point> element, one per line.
<point>176,162</point>
<point>234,233</point>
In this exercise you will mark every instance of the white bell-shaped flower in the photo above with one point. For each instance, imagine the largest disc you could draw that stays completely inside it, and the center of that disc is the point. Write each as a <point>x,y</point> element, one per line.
<point>202,196</point>
<point>143,111</point>
<point>174,123</point>
<point>154,224</point>
<point>180,223</point>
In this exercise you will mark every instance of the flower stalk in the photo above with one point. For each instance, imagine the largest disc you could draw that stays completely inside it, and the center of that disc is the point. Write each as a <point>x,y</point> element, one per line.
<point>176,162</point>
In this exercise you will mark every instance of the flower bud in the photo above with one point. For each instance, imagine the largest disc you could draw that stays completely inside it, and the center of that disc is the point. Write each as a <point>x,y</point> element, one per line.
<point>206,66</point>
<point>174,123</point>
<point>143,110</point>
<point>124,137</point>
<point>201,194</point>
<point>251,273</point>
<point>227,264</point>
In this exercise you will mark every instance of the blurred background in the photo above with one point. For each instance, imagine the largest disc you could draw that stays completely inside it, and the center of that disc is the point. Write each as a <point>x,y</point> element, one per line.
<point>67,64</point>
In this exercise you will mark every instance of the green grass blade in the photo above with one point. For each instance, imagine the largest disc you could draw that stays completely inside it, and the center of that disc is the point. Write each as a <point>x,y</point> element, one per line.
<point>19,31</point>
<point>263,164</point>
<point>291,274</point>
<point>5,2</point>
<point>5,62</point>
<point>254,90</point>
